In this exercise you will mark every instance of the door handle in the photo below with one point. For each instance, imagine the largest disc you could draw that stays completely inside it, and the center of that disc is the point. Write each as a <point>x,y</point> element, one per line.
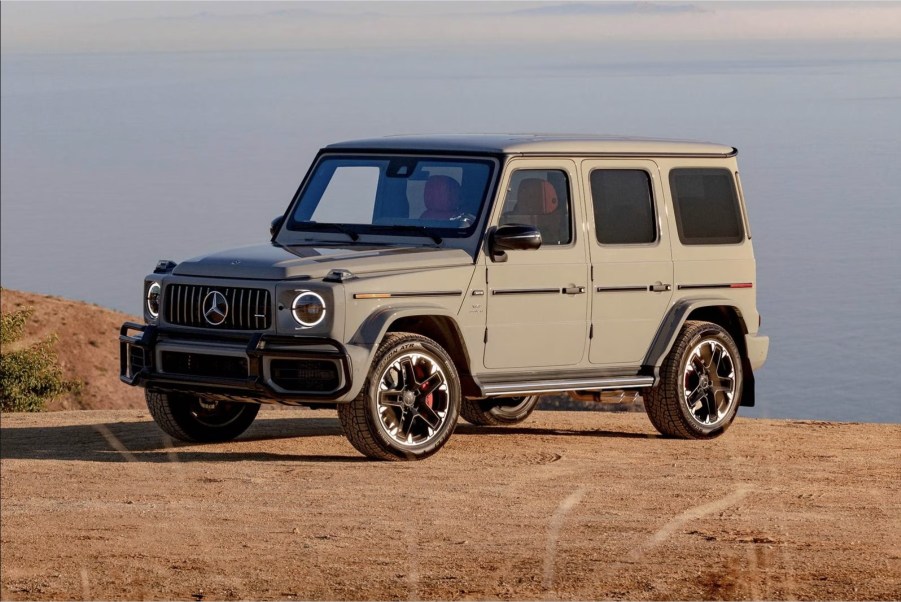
<point>573,290</point>
<point>659,287</point>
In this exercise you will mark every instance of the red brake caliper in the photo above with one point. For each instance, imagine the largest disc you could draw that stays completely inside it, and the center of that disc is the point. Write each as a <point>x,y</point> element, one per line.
<point>423,386</point>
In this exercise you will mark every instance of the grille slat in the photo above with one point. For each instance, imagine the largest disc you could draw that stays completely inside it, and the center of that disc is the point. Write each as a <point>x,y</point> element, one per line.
<point>184,306</point>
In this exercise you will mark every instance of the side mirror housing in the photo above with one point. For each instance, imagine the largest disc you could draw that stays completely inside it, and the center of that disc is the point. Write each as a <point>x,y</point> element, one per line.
<point>276,225</point>
<point>513,237</point>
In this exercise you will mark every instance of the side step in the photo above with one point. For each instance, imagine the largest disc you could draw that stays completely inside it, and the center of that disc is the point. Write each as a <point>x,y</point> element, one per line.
<point>505,389</point>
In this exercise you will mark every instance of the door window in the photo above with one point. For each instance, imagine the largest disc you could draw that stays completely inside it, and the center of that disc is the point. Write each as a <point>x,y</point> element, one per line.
<point>623,207</point>
<point>540,198</point>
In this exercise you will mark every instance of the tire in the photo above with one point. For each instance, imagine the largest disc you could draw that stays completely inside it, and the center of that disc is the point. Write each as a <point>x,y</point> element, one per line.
<point>498,412</point>
<point>188,418</point>
<point>393,418</point>
<point>699,390</point>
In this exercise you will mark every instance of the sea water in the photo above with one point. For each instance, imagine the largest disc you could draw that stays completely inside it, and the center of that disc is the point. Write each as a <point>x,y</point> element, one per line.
<point>112,161</point>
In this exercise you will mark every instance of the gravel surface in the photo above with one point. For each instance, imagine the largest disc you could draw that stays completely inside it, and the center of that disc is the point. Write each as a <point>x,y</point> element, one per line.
<point>574,505</point>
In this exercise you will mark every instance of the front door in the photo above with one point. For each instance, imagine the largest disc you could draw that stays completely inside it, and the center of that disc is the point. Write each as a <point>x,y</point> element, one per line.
<point>537,300</point>
<point>631,259</point>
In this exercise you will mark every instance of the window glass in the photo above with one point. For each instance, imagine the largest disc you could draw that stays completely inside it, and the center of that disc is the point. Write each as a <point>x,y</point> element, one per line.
<point>349,196</point>
<point>540,197</point>
<point>623,207</point>
<point>400,194</point>
<point>706,206</point>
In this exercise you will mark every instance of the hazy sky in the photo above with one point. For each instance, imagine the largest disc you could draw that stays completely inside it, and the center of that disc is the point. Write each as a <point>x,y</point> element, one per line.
<point>181,26</point>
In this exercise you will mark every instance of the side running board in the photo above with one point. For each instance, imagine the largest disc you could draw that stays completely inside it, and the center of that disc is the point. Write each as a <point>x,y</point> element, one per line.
<point>504,389</point>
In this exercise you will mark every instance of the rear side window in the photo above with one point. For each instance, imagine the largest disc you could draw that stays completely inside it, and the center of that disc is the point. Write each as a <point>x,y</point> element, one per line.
<point>706,205</point>
<point>623,207</point>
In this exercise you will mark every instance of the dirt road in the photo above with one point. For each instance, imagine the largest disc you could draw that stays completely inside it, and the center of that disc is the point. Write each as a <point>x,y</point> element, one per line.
<point>97,504</point>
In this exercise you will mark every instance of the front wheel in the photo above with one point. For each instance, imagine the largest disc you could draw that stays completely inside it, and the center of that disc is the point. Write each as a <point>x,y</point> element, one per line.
<point>700,384</point>
<point>409,404</point>
<point>190,418</point>
<point>498,412</point>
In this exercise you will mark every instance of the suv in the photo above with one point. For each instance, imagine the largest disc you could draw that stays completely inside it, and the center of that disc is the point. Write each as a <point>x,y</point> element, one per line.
<point>414,279</point>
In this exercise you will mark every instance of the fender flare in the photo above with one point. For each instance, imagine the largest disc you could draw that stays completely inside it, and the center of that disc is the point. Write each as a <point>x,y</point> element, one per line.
<point>373,329</point>
<point>672,325</point>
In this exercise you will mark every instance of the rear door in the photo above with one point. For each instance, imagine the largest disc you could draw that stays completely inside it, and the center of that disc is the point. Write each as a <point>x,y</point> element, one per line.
<point>631,258</point>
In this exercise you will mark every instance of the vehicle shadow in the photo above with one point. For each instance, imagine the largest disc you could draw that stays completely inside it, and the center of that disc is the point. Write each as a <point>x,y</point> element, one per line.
<point>144,442</point>
<point>467,429</point>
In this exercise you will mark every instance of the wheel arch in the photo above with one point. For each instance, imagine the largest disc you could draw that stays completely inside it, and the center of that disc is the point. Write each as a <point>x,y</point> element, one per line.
<point>432,321</point>
<point>719,311</point>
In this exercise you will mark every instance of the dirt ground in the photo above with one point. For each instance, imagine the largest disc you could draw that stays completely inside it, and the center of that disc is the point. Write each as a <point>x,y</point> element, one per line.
<point>99,504</point>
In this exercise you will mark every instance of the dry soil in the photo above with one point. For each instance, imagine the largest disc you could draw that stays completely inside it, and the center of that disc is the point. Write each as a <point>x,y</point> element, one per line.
<point>99,504</point>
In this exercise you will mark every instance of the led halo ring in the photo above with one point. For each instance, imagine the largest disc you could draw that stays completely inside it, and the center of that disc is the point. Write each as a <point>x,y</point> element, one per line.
<point>300,303</point>
<point>153,298</point>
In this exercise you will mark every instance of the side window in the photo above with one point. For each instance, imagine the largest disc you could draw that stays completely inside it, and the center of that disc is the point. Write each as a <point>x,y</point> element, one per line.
<point>540,197</point>
<point>706,206</point>
<point>623,207</point>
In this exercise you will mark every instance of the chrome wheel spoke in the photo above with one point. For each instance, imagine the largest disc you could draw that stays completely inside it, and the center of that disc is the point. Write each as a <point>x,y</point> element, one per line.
<point>406,424</point>
<point>431,384</point>
<point>392,399</point>
<point>429,416</point>
<point>408,375</point>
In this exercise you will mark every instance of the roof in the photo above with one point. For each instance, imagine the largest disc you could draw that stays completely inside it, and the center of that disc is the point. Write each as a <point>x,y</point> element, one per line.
<point>543,144</point>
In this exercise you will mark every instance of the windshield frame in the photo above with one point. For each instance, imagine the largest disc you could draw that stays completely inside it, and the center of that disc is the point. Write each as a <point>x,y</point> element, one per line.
<point>373,234</point>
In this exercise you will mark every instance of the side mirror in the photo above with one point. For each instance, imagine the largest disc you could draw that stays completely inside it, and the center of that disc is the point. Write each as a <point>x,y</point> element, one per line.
<point>514,237</point>
<point>276,225</point>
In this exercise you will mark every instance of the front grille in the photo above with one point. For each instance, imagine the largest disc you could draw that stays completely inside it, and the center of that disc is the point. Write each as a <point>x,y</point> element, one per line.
<point>309,376</point>
<point>201,364</point>
<point>248,308</point>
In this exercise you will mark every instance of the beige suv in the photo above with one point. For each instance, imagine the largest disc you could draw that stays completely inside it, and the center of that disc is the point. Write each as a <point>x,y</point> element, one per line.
<point>413,280</point>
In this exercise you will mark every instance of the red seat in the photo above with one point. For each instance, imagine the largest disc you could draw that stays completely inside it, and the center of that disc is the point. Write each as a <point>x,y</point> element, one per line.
<point>537,204</point>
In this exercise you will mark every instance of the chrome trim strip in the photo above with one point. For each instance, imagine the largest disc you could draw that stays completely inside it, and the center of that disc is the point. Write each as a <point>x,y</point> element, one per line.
<point>553,386</point>
<point>408,294</point>
<point>683,287</point>
<point>619,289</point>
<point>525,291</point>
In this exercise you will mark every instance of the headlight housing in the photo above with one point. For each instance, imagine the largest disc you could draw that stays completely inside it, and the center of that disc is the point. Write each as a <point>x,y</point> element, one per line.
<point>152,299</point>
<point>308,309</point>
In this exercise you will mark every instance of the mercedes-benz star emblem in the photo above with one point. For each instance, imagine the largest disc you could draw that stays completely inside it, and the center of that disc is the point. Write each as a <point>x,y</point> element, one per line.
<point>215,308</point>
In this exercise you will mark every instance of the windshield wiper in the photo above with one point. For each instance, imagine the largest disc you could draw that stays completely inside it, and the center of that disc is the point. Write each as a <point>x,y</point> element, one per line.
<point>302,226</point>
<point>408,228</point>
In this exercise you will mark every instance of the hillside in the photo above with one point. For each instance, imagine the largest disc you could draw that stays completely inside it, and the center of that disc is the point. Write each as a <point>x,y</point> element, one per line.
<point>88,348</point>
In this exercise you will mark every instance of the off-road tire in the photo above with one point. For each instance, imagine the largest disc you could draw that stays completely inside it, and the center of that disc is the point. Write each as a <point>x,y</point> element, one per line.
<point>487,412</point>
<point>360,418</point>
<point>179,415</point>
<point>664,402</point>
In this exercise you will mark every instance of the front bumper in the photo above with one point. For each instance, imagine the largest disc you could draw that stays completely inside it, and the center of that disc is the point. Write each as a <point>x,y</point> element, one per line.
<point>252,367</point>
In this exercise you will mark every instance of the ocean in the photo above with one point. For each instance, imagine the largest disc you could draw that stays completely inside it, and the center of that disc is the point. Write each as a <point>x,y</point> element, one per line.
<point>112,161</point>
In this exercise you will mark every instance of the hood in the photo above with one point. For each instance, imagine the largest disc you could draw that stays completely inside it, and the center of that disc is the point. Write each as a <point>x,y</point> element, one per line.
<point>275,262</point>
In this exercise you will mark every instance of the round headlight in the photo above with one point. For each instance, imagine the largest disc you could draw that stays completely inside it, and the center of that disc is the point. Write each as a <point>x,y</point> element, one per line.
<point>153,299</point>
<point>308,309</point>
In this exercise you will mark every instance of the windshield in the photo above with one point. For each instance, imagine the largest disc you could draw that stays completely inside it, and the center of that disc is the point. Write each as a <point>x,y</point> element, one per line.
<point>406,195</point>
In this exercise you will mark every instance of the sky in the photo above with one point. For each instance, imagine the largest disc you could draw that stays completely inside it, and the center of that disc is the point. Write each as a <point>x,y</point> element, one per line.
<point>93,27</point>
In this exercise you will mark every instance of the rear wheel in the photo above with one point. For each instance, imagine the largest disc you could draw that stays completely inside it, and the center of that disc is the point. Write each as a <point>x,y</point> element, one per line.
<point>498,412</point>
<point>409,404</point>
<point>700,384</point>
<point>190,418</point>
